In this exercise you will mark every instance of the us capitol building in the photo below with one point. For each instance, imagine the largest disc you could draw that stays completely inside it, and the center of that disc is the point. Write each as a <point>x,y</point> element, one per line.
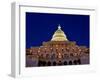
<point>58,51</point>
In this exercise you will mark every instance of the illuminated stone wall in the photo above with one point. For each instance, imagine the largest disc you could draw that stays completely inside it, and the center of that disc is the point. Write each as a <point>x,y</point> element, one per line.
<point>54,53</point>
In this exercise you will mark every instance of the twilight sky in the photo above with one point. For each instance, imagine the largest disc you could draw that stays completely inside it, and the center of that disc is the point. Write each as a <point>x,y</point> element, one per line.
<point>41,26</point>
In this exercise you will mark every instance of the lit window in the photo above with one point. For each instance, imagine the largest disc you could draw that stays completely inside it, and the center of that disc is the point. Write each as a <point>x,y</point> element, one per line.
<point>56,45</point>
<point>45,48</point>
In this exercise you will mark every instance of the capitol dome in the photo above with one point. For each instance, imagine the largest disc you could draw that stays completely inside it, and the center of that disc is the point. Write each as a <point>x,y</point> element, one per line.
<point>59,35</point>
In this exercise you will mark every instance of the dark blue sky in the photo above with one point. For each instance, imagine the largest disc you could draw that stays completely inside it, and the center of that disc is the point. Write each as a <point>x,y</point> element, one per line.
<point>41,26</point>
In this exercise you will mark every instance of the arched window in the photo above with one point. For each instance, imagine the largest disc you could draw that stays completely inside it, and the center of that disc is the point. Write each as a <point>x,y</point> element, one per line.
<point>71,54</point>
<point>48,63</point>
<point>65,62</point>
<point>54,63</point>
<point>53,56</point>
<point>40,63</point>
<point>43,63</point>
<point>47,56</point>
<point>62,49</point>
<point>67,49</point>
<point>51,50</point>
<point>65,55</point>
<point>41,56</point>
<point>56,49</point>
<point>79,61</point>
<point>45,51</point>
<point>70,62</point>
<point>75,62</point>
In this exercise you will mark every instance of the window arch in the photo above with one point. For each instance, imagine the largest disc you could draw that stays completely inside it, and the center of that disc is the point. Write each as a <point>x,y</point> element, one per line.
<point>65,55</point>
<point>65,63</point>
<point>54,63</point>
<point>43,63</point>
<point>47,56</point>
<point>48,63</point>
<point>71,54</point>
<point>52,56</point>
<point>75,62</point>
<point>79,61</point>
<point>40,63</point>
<point>70,62</point>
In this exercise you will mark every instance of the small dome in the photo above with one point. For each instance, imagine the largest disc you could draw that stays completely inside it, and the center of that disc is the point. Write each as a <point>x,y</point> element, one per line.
<point>59,35</point>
